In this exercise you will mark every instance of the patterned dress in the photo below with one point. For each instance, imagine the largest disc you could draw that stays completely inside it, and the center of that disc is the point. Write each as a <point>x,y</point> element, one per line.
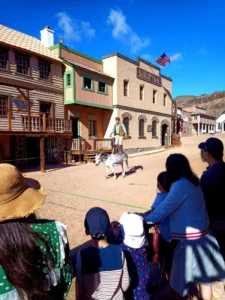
<point>61,275</point>
<point>139,271</point>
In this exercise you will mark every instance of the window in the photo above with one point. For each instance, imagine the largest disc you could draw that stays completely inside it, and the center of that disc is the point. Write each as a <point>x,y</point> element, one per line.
<point>126,124</point>
<point>47,107</point>
<point>92,127</point>
<point>44,70</point>
<point>154,96</point>
<point>125,88</point>
<point>88,83</point>
<point>219,126</point>
<point>22,62</point>
<point>102,87</point>
<point>3,105</point>
<point>3,58</point>
<point>154,129</point>
<point>141,128</point>
<point>141,92</point>
<point>164,99</point>
<point>68,79</point>
<point>195,117</point>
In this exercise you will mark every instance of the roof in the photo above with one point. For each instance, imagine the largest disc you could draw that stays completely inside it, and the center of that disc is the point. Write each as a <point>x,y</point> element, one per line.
<point>9,36</point>
<point>137,62</point>
<point>85,67</point>
<point>202,114</point>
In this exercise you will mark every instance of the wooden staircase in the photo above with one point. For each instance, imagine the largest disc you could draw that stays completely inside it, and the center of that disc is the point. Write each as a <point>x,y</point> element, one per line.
<point>89,157</point>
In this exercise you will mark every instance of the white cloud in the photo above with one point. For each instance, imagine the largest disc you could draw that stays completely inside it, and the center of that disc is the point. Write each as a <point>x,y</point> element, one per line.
<point>122,31</point>
<point>176,57</point>
<point>146,57</point>
<point>73,30</point>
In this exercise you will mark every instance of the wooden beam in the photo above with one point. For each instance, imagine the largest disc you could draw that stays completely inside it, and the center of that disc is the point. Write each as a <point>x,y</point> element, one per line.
<point>23,94</point>
<point>9,114</point>
<point>42,154</point>
<point>28,111</point>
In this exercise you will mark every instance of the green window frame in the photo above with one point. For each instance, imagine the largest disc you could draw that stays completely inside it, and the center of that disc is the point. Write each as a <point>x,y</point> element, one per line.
<point>106,87</point>
<point>68,77</point>
<point>92,83</point>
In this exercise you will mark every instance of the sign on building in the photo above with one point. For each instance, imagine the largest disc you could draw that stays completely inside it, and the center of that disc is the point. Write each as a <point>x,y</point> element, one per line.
<point>149,77</point>
<point>21,103</point>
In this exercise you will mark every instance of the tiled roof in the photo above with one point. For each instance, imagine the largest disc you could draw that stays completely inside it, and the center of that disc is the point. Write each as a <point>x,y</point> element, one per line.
<point>21,40</point>
<point>85,67</point>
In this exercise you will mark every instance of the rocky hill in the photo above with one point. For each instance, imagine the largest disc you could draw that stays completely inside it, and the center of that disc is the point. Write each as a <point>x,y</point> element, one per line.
<point>214,103</point>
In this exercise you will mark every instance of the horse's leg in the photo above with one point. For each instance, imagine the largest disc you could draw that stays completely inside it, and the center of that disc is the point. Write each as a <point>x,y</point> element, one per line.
<point>113,171</point>
<point>106,172</point>
<point>124,168</point>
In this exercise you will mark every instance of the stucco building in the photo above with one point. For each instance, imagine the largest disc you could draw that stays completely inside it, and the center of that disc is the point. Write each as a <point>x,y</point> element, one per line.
<point>33,127</point>
<point>142,98</point>
<point>220,123</point>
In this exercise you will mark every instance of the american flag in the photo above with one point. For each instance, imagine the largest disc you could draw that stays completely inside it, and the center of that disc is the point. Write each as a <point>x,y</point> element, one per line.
<point>163,59</point>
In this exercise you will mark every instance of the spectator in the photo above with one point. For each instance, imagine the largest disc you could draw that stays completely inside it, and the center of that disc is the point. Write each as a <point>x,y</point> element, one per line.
<point>35,259</point>
<point>101,269</point>
<point>166,246</point>
<point>197,258</point>
<point>135,247</point>
<point>213,185</point>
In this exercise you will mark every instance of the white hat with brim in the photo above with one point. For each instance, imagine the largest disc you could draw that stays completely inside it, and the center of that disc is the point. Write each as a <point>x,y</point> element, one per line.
<point>19,196</point>
<point>133,227</point>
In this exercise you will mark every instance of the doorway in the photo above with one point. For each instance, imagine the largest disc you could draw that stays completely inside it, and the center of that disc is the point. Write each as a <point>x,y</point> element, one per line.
<point>164,134</point>
<point>75,128</point>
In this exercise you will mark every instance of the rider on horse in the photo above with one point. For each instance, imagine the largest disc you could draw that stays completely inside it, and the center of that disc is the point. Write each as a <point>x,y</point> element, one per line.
<point>120,132</point>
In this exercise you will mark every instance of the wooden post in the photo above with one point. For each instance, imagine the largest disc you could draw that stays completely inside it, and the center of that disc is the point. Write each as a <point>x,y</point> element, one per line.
<point>9,114</point>
<point>42,154</point>
<point>44,122</point>
<point>28,111</point>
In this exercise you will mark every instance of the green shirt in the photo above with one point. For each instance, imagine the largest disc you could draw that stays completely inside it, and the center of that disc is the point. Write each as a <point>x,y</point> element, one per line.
<point>55,234</point>
<point>117,127</point>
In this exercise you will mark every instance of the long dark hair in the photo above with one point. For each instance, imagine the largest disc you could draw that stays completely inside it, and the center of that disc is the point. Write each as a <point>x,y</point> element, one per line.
<point>177,166</point>
<point>22,259</point>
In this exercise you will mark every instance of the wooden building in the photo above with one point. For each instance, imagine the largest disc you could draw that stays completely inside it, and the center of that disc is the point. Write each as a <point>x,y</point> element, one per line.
<point>33,127</point>
<point>87,99</point>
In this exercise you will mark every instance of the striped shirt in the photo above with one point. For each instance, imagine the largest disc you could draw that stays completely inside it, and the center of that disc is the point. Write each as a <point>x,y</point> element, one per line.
<point>101,274</point>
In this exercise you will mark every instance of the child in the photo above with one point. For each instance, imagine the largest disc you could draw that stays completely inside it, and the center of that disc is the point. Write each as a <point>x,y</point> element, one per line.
<point>135,249</point>
<point>166,248</point>
<point>101,269</point>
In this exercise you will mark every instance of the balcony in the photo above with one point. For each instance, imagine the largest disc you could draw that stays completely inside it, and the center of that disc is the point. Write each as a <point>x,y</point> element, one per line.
<point>91,145</point>
<point>46,125</point>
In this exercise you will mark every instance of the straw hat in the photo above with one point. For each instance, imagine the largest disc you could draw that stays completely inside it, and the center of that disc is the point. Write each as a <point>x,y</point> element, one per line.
<point>19,196</point>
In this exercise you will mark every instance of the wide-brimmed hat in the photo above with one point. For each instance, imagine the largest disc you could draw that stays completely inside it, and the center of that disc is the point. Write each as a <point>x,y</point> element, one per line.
<point>19,196</point>
<point>133,230</point>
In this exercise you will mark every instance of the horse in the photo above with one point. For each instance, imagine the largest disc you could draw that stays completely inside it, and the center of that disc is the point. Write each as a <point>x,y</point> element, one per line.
<point>112,160</point>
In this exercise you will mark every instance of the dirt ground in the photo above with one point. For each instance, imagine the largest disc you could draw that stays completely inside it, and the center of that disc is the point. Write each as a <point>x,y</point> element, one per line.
<point>73,190</point>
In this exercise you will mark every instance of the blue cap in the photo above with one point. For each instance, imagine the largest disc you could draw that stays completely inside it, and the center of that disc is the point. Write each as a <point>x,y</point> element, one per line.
<point>97,222</point>
<point>213,145</point>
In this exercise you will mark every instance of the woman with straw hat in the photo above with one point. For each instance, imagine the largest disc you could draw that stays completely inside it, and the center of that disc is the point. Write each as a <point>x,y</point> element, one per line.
<point>34,254</point>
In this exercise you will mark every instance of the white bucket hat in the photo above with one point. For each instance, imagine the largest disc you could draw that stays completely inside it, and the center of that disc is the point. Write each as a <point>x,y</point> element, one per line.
<point>133,228</point>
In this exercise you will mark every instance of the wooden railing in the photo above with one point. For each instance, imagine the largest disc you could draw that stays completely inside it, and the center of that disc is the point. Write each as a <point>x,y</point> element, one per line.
<point>42,124</point>
<point>102,144</point>
<point>79,144</point>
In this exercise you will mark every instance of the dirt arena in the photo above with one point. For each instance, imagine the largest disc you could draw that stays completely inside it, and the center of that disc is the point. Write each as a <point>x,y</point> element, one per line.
<point>73,190</point>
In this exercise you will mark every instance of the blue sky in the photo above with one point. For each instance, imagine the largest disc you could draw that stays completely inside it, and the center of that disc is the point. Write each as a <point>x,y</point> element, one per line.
<point>191,32</point>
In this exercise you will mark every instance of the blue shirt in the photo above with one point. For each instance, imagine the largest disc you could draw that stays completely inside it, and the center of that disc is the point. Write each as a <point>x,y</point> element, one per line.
<point>164,223</point>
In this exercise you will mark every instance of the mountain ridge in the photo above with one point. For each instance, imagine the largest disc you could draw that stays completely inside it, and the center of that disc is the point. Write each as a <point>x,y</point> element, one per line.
<point>213,103</point>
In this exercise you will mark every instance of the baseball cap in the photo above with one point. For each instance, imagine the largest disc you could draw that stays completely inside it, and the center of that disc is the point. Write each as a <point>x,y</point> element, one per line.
<point>97,222</point>
<point>213,145</point>
<point>133,229</point>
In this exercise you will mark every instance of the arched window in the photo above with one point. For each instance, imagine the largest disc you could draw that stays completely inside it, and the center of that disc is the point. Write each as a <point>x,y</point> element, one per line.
<point>154,131</point>
<point>126,124</point>
<point>141,128</point>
